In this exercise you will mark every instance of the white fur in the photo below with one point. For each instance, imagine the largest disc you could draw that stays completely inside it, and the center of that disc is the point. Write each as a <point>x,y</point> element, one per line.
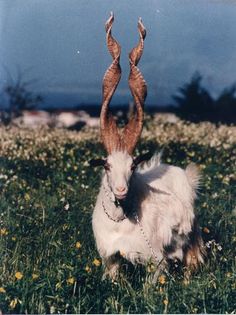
<point>161,195</point>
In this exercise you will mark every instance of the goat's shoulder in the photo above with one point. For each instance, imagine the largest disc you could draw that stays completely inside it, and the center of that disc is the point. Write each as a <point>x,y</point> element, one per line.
<point>173,179</point>
<point>162,172</point>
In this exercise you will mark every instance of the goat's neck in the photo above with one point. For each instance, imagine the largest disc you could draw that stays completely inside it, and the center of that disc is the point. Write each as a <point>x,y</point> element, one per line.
<point>116,209</point>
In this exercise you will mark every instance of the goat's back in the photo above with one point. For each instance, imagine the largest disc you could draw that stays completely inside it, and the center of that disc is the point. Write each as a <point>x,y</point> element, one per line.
<point>175,179</point>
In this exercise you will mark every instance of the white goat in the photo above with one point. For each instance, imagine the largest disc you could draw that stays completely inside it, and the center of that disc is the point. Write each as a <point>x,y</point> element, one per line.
<point>143,212</point>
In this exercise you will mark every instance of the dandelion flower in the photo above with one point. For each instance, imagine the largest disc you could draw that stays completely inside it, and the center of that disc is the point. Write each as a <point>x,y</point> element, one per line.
<point>3,232</point>
<point>151,268</point>
<point>2,290</point>
<point>13,303</point>
<point>186,281</point>
<point>96,262</point>
<point>27,197</point>
<point>162,279</point>
<point>165,302</point>
<point>18,275</point>
<point>13,238</point>
<point>88,269</point>
<point>70,280</point>
<point>78,245</point>
<point>35,276</point>
<point>191,153</point>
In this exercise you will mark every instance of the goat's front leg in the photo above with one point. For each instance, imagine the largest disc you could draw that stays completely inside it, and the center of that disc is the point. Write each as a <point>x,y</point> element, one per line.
<point>111,265</point>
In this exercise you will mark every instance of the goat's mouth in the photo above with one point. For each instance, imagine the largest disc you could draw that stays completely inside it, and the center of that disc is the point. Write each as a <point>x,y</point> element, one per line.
<point>121,196</point>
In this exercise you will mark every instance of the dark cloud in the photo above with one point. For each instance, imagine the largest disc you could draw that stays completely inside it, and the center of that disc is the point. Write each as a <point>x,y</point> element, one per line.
<point>182,36</point>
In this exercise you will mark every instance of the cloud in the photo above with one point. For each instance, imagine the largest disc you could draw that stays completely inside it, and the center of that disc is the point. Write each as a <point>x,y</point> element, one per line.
<point>181,38</point>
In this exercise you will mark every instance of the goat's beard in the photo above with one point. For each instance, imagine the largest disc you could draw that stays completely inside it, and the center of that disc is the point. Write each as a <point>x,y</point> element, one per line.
<point>127,203</point>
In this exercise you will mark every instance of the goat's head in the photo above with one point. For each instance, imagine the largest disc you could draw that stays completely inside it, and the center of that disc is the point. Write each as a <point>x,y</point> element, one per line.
<point>120,144</point>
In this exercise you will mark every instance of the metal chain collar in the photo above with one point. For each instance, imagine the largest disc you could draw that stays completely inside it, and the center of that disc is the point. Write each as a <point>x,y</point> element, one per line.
<point>125,217</point>
<point>110,217</point>
<point>145,237</point>
<point>115,202</point>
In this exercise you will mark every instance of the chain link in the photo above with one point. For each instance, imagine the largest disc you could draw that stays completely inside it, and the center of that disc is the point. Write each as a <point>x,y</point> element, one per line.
<point>145,237</point>
<point>125,217</point>
<point>110,217</point>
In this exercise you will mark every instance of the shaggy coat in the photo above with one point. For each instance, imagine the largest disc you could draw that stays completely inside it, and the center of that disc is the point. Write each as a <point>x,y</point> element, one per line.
<point>163,197</point>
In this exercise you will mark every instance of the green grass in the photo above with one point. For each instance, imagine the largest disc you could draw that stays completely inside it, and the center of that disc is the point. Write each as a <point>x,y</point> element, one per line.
<point>47,195</point>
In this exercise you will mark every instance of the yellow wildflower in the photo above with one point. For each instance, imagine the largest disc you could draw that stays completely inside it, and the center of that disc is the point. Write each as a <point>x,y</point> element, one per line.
<point>191,153</point>
<point>88,269</point>
<point>186,281</point>
<point>27,197</point>
<point>2,290</point>
<point>3,231</point>
<point>70,280</point>
<point>13,303</point>
<point>151,268</point>
<point>162,279</point>
<point>165,302</point>
<point>96,262</point>
<point>78,245</point>
<point>35,276</point>
<point>13,238</point>
<point>18,275</point>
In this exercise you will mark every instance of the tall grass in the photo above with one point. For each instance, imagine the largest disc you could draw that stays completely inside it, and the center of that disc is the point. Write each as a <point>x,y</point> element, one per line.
<point>49,263</point>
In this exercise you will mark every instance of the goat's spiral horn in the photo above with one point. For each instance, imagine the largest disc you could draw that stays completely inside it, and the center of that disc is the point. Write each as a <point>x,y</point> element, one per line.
<point>138,87</point>
<point>109,131</point>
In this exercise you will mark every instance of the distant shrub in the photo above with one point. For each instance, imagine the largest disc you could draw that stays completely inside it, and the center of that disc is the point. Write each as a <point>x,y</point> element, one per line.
<point>226,102</point>
<point>19,98</point>
<point>196,103</point>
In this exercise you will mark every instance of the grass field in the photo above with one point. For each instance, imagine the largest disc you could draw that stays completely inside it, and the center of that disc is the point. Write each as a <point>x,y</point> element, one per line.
<point>49,262</point>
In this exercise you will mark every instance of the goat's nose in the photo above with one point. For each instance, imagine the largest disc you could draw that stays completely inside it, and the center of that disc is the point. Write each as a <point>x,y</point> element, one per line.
<point>120,188</point>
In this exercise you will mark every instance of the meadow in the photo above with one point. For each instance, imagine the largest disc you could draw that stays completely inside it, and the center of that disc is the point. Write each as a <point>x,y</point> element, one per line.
<point>49,262</point>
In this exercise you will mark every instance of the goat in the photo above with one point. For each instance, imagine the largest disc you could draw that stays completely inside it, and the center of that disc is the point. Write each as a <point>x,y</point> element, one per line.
<point>144,209</point>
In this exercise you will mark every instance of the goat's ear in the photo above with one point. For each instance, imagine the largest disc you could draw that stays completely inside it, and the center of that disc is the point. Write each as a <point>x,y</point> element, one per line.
<point>142,158</point>
<point>97,162</point>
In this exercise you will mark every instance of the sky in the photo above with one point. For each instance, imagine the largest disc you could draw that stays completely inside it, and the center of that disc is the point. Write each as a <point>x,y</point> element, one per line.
<point>60,44</point>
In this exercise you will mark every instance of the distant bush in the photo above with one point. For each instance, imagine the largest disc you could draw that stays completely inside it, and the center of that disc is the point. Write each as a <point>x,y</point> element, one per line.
<point>19,98</point>
<point>226,102</point>
<point>196,103</point>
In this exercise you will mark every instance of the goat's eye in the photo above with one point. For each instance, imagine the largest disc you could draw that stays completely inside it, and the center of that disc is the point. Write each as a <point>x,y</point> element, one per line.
<point>107,167</point>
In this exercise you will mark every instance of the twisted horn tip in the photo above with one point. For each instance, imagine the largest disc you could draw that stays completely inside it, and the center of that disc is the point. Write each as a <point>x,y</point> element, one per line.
<point>141,28</point>
<point>109,21</point>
